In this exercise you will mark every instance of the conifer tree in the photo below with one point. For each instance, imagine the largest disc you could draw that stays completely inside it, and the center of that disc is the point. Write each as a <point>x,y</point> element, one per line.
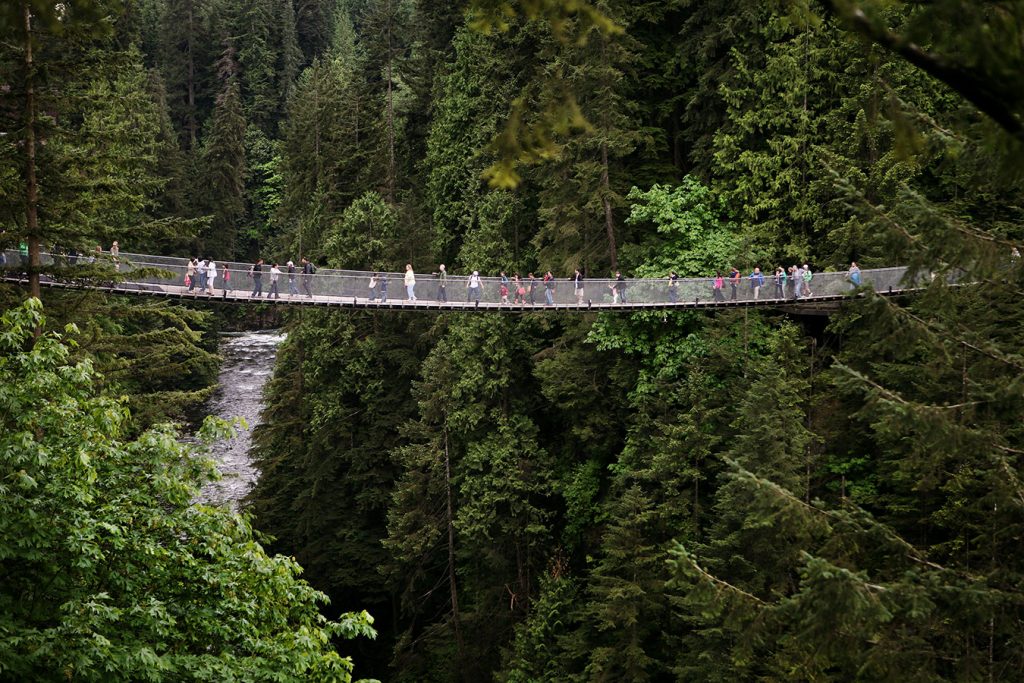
<point>223,162</point>
<point>339,403</point>
<point>171,161</point>
<point>583,189</point>
<point>365,237</point>
<point>314,23</point>
<point>264,35</point>
<point>326,147</point>
<point>383,37</point>
<point>476,443</point>
<point>468,113</point>
<point>186,56</point>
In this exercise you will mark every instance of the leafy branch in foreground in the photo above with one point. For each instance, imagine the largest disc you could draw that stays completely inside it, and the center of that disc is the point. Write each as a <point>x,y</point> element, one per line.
<point>108,571</point>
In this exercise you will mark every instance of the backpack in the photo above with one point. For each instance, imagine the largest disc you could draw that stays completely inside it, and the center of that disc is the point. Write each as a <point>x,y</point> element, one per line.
<point>808,275</point>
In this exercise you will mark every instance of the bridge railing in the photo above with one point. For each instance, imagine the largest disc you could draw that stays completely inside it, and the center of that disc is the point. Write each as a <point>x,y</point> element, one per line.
<point>236,280</point>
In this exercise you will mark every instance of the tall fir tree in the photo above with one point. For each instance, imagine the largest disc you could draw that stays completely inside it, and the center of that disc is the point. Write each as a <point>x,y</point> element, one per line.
<point>187,50</point>
<point>223,163</point>
<point>582,189</point>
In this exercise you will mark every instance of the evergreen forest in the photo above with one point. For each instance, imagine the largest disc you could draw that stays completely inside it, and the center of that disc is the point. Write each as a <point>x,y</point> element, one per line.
<point>744,494</point>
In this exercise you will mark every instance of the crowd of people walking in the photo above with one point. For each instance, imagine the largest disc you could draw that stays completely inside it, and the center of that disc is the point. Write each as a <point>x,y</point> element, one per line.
<point>788,283</point>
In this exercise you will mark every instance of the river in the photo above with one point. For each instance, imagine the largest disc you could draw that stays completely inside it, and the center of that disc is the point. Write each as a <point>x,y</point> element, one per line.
<point>248,363</point>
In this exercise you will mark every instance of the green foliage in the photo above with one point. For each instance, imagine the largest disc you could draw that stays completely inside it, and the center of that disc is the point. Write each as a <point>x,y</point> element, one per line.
<point>469,111</point>
<point>365,235</point>
<point>223,162</point>
<point>694,236</point>
<point>543,648</point>
<point>187,49</point>
<point>582,186</point>
<point>101,171</point>
<point>488,245</point>
<point>110,571</point>
<point>338,397</point>
<point>264,34</point>
<point>660,496</point>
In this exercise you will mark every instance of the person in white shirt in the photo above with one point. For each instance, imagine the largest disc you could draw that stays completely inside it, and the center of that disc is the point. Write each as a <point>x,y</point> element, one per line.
<point>410,282</point>
<point>275,274</point>
<point>473,287</point>
<point>211,275</point>
<point>201,270</point>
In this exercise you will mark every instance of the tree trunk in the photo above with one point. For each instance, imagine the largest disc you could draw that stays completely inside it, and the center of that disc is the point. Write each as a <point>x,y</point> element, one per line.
<point>192,124</point>
<point>31,186</point>
<point>609,219</point>
<point>391,118</point>
<point>452,586</point>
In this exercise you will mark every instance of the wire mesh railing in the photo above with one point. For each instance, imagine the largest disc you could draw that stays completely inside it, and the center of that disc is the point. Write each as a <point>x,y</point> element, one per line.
<point>240,281</point>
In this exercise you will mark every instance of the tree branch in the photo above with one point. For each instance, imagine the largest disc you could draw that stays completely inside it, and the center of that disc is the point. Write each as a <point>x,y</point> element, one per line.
<point>971,86</point>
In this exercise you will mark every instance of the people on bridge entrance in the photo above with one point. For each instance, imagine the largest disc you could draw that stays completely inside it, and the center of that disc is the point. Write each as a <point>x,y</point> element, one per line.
<point>673,287</point>
<point>854,274</point>
<point>372,285</point>
<point>211,276</point>
<point>275,275</point>
<point>256,273</point>
<point>410,283</point>
<point>190,273</point>
<point>473,287</point>
<point>308,269</point>
<point>716,287</point>
<point>808,275</point>
<point>533,287</point>
<point>383,286</point>
<point>797,277</point>
<point>577,286</point>
<point>734,282</point>
<point>503,292</point>
<point>756,282</point>
<point>115,252</point>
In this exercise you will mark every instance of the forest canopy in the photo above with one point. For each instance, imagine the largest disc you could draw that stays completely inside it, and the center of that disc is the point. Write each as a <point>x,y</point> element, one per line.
<point>760,494</point>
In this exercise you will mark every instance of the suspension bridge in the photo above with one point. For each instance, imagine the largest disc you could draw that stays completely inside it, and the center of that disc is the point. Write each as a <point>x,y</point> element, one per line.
<point>146,275</point>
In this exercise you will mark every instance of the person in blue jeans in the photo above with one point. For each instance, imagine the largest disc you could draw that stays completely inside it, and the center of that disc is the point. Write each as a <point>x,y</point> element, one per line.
<point>473,286</point>
<point>257,279</point>
<point>854,274</point>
